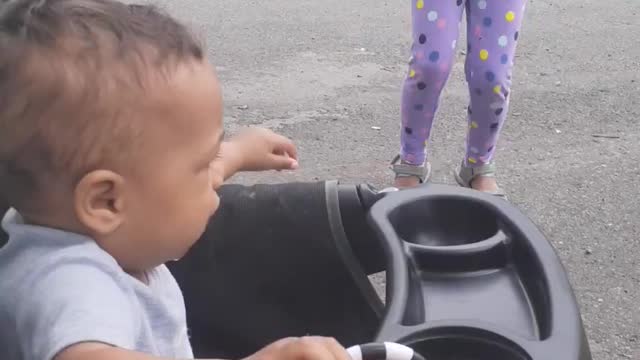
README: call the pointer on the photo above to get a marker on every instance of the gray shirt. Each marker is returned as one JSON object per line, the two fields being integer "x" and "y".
{"x": 58, "y": 289}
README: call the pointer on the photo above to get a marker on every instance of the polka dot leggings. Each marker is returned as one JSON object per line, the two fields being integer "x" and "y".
{"x": 492, "y": 33}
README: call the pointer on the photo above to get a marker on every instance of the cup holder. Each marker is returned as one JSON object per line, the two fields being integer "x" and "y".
{"x": 471, "y": 278}
{"x": 441, "y": 222}
{"x": 452, "y": 346}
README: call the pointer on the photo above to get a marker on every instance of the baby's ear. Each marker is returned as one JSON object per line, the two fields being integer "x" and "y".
{"x": 99, "y": 201}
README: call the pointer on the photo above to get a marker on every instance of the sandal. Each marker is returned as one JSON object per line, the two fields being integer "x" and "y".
{"x": 465, "y": 176}
{"x": 401, "y": 169}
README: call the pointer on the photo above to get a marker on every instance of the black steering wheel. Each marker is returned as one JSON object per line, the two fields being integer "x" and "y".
{"x": 383, "y": 351}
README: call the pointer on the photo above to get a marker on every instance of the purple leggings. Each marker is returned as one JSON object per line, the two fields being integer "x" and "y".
{"x": 492, "y": 34}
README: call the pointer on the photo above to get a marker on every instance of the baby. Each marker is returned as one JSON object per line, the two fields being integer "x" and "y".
{"x": 111, "y": 151}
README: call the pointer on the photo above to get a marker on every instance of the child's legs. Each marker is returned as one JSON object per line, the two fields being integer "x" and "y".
{"x": 493, "y": 27}
{"x": 435, "y": 31}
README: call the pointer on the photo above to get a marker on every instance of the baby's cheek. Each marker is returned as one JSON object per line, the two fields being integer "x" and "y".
{"x": 210, "y": 195}
{"x": 216, "y": 178}
{"x": 215, "y": 203}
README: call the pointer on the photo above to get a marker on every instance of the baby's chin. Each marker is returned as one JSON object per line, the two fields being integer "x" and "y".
{"x": 186, "y": 249}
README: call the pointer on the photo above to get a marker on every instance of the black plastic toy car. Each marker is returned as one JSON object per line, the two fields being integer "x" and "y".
{"x": 468, "y": 276}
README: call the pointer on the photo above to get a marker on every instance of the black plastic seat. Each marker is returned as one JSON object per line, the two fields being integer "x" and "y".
{"x": 276, "y": 262}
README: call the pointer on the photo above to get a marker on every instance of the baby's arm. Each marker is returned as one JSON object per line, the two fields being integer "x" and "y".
{"x": 307, "y": 348}
{"x": 98, "y": 351}
{"x": 256, "y": 149}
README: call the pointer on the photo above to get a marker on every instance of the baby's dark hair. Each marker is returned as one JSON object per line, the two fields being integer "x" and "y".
{"x": 69, "y": 72}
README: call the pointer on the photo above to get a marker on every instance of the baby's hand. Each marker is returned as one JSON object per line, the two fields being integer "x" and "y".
{"x": 306, "y": 348}
{"x": 258, "y": 149}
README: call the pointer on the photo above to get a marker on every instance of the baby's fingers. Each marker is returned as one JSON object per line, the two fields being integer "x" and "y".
{"x": 285, "y": 146}
{"x": 282, "y": 162}
{"x": 312, "y": 348}
{"x": 338, "y": 351}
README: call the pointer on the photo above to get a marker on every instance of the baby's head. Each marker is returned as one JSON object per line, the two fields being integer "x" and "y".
{"x": 110, "y": 116}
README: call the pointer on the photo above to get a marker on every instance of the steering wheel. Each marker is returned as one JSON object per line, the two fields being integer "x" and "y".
{"x": 383, "y": 351}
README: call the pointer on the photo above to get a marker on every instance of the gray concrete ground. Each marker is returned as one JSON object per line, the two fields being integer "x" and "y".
{"x": 326, "y": 72}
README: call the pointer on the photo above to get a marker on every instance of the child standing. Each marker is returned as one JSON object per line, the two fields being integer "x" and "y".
{"x": 111, "y": 153}
{"x": 492, "y": 33}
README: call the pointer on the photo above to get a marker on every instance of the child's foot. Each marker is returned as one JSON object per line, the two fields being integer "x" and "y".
{"x": 485, "y": 184}
{"x": 404, "y": 182}
{"x": 481, "y": 178}
{"x": 408, "y": 175}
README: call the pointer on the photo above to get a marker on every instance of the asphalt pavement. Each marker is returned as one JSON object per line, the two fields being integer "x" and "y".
{"x": 328, "y": 74}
